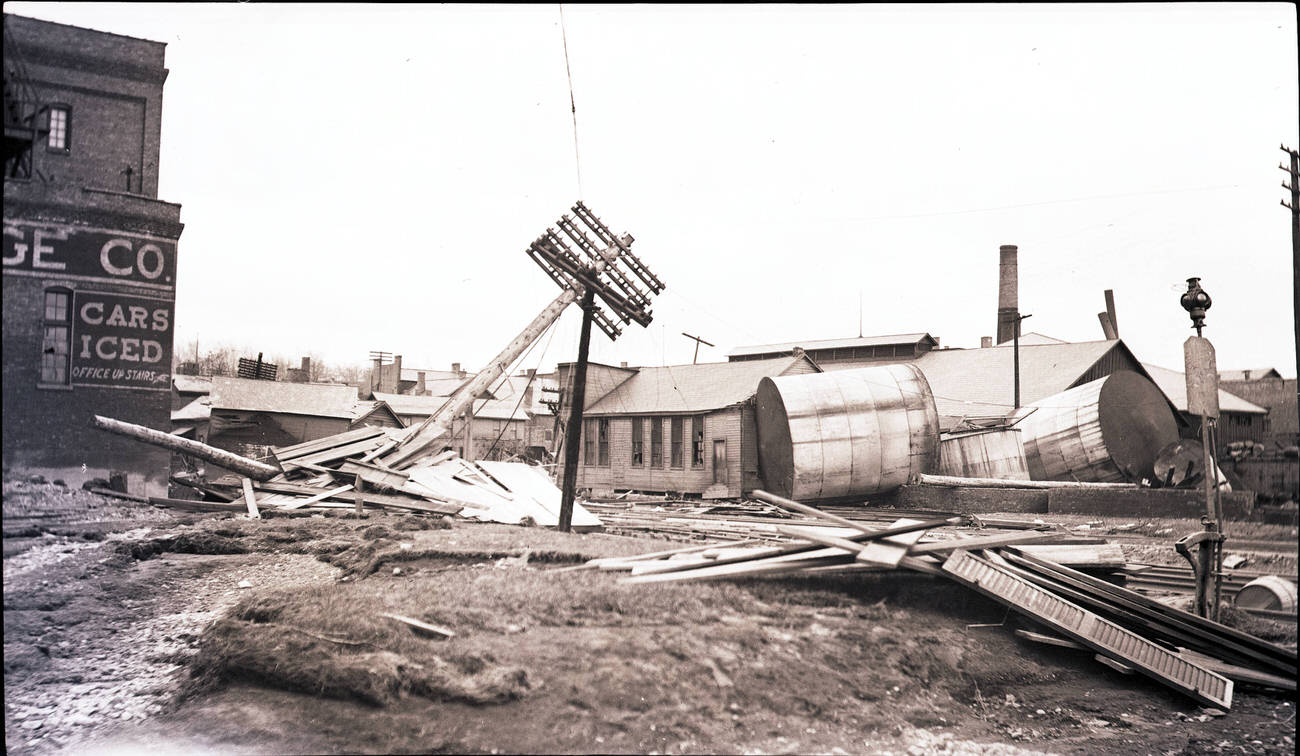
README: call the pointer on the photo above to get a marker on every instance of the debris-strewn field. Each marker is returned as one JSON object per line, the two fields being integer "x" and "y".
{"x": 127, "y": 627}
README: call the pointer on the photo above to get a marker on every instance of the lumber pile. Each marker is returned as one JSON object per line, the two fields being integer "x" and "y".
{"x": 346, "y": 472}
{"x": 1123, "y": 629}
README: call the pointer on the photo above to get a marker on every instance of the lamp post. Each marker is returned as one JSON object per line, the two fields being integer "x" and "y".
{"x": 1203, "y": 400}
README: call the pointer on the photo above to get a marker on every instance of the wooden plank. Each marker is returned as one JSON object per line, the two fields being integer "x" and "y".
{"x": 888, "y": 552}
{"x": 1081, "y": 625}
{"x": 1050, "y": 640}
{"x": 318, "y": 497}
{"x": 781, "y": 501}
{"x": 119, "y": 495}
{"x": 980, "y": 542}
{"x": 420, "y": 625}
{"x": 1118, "y": 666}
{"x": 250, "y": 499}
{"x": 954, "y": 482}
{"x": 376, "y": 478}
{"x": 286, "y": 453}
{"x": 329, "y": 455}
{"x": 1100, "y": 555}
{"x": 745, "y": 569}
{"x": 1237, "y": 673}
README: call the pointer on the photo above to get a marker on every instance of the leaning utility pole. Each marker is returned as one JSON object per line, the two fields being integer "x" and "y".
{"x": 598, "y": 272}
{"x": 698, "y": 341}
{"x": 1294, "y": 187}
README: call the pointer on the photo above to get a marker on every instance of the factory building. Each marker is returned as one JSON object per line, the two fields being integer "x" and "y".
{"x": 89, "y": 253}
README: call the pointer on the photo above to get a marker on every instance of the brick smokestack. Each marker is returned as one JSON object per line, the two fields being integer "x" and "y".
{"x": 1008, "y": 303}
{"x": 420, "y": 385}
{"x": 986, "y": 342}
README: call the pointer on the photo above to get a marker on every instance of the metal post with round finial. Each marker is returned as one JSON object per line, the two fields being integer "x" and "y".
{"x": 1203, "y": 401}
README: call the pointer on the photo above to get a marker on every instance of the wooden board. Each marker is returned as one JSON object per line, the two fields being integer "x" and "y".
{"x": 250, "y": 499}
{"x": 285, "y": 453}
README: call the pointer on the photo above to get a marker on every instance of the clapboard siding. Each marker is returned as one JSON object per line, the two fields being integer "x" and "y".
{"x": 621, "y": 474}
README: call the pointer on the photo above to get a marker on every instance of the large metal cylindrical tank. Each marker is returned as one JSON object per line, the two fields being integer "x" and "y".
{"x": 846, "y": 432}
{"x": 993, "y": 453}
{"x": 1106, "y": 431}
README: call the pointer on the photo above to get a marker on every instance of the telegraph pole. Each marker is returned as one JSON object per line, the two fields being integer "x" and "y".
{"x": 573, "y": 430}
{"x": 1015, "y": 352}
{"x": 698, "y": 341}
{"x": 1293, "y": 171}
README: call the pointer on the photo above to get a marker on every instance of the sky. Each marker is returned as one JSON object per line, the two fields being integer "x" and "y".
{"x": 367, "y": 177}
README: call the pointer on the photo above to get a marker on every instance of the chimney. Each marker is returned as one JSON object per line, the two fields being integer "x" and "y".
{"x": 376, "y": 374}
{"x": 419, "y": 384}
{"x": 306, "y": 368}
{"x": 622, "y": 364}
{"x": 1008, "y": 302}
{"x": 986, "y": 342}
{"x": 455, "y": 368}
{"x": 529, "y": 392}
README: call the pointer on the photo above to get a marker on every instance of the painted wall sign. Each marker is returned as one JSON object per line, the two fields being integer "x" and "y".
{"x": 121, "y": 341}
{"x": 85, "y": 252}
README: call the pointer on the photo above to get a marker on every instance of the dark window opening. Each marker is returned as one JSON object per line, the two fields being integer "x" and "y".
{"x": 638, "y": 442}
{"x": 588, "y": 442}
{"x": 56, "y": 342}
{"x": 697, "y": 441}
{"x": 656, "y": 442}
{"x": 675, "y": 431}
{"x": 602, "y": 441}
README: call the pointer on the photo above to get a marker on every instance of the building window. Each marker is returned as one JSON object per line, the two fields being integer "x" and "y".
{"x": 60, "y": 138}
{"x": 57, "y": 339}
{"x": 638, "y": 441}
{"x": 675, "y": 431}
{"x": 602, "y": 441}
{"x": 656, "y": 442}
{"x": 697, "y": 441}
{"x": 589, "y": 442}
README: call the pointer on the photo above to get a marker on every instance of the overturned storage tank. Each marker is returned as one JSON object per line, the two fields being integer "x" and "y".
{"x": 990, "y": 453}
{"x": 846, "y": 432}
{"x": 1106, "y": 431}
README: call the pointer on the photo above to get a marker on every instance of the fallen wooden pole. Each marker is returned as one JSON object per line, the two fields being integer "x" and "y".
{"x": 955, "y": 481}
{"x": 242, "y": 465}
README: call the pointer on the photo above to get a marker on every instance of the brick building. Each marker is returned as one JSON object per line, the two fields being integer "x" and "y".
{"x": 89, "y": 256}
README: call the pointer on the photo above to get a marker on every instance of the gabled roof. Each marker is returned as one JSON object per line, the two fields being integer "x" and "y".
{"x": 423, "y": 406}
{"x": 1174, "y": 384}
{"x": 314, "y": 399}
{"x": 901, "y": 338}
{"x": 980, "y": 382}
{"x": 364, "y": 409}
{"x": 1033, "y": 337}
{"x": 693, "y": 388}
{"x": 192, "y": 384}
{"x": 1248, "y": 375}
{"x": 197, "y": 410}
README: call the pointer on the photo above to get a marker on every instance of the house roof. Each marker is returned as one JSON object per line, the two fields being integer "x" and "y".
{"x": 316, "y": 399}
{"x": 691, "y": 388}
{"x": 423, "y": 406}
{"x": 980, "y": 382}
{"x": 192, "y": 384}
{"x": 413, "y": 375}
{"x": 901, "y": 338}
{"x": 1033, "y": 337}
{"x": 1248, "y": 375}
{"x": 198, "y": 410}
{"x": 1174, "y": 384}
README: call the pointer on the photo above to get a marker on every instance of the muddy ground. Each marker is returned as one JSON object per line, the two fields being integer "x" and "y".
{"x": 130, "y": 629}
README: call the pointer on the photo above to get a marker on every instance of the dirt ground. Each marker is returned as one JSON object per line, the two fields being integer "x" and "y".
{"x": 130, "y": 629}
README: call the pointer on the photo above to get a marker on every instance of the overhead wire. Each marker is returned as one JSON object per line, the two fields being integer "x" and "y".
{"x": 573, "y": 107}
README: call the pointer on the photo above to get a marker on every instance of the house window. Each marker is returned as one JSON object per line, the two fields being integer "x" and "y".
{"x": 60, "y": 138}
{"x": 638, "y": 441}
{"x": 697, "y": 441}
{"x": 656, "y": 442}
{"x": 675, "y": 431}
{"x": 602, "y": 441}
{"x": 589, "y": 442}
{"x": 55, "y": 351}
